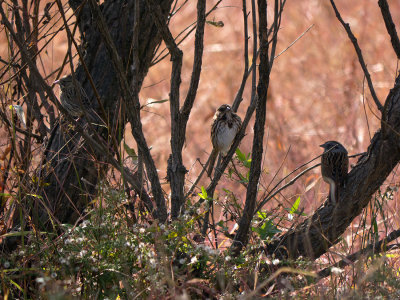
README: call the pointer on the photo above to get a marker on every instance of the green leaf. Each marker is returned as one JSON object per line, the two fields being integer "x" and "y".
{"x": 266, "y": 230}
{"x": 222, "y": 225}
{"x": 240, "y": 155}
{"x": 149, "y": 102}
{"x": 244, "y": 159}
{"x": 35, "y": 196}
{"x": 244, "y": 179}
{"x": 157, "y": 101}
{"x": 247, "y": 163}
{"x": 261, "y": 215}
{"x": 375, "y": 225}
{"x": 216, "y": 23}
{"x": 203, "y": 194}
{"x": 131, "y": 152}
{"x": 172, "y": 234}
{"x": 295, "y": 206}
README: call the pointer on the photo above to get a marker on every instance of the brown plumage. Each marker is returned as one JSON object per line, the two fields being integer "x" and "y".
{"x": 334, "y": 167}
{"x": 223, "y": 131}
{"x": 74, "y": 99}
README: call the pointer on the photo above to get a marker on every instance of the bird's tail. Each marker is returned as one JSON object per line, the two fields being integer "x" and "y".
{"x": 333, "y": 193}
{"x": 213, "y": 157}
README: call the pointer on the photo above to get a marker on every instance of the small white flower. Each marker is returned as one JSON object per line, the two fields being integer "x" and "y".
{"x": 162, "y": 227}
{"x": 275, "y": 261}
{"x": 142, "y": 230}
{"x": 40, "y": 280}
{"x": 85, "y": 224}
{"x": 336, "y": 271}
{"x": 228, "y": 258}
{"x": 193, "y": 260}
{"x": 128, "y": 244}
{"x": 182, "y": 261}
{"x": 22, "y": 253}
{"x": 6, "y": 264}
{"x": 69, "y": 241}
{"x": 152, "y": 262}
{"x": 63, "y": 260}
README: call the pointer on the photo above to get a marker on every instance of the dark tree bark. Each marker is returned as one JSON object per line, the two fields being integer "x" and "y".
{"x": 67, "y": 194}
{"x": 259, "y": 125}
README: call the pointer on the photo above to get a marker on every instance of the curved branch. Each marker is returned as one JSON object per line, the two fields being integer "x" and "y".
{"x": 316, "y": 234}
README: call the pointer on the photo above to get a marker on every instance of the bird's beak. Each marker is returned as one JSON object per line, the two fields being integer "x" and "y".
{"x": 322, "y": 146}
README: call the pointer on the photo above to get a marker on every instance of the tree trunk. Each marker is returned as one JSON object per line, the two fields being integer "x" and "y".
{"x": 72, "y": 179}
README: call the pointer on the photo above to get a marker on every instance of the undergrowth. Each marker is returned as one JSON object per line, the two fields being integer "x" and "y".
{"x": 110, "y": 254}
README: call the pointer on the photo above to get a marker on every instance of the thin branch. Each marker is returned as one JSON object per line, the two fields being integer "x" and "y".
{"x": 271, "y": 194}
{"x": 371, "y": 249}
{"x": 390, "y": 26}
{"x": 353, "y": 39}
{"x": 176, "y": 170}
{"x": 197, "y": 63}
{"x": 255, "y": 54}
{"x": 239, "y": 95}
{"x": 194, "y": 185}
{"x": 294, "y": 42}
{"x": 264, "y": 72}
{"x": 157, "y": 59}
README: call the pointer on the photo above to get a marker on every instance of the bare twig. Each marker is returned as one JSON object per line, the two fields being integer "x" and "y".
{"x": 239, "y": 95}
{"x": 179, "y": 117}
{"x": 194, "y": 185}
{"x": 371, "y": 249}
{"x": 390, "y": 26}
{"x": 158, "y": 58}
{"x": 353, "y": 39}
{"x": 272, "y": 194}
{"x": 259, "y": 126}
{"x": 295, "y": 41}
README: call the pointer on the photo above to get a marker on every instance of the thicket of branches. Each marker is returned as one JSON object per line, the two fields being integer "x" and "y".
{"x": 55, "y": 164}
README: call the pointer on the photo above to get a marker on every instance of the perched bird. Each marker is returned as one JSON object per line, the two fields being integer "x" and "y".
{"x": 334, "y": 166}
{"x": 74, "y": 99}
{"x": 223, "y": 131}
